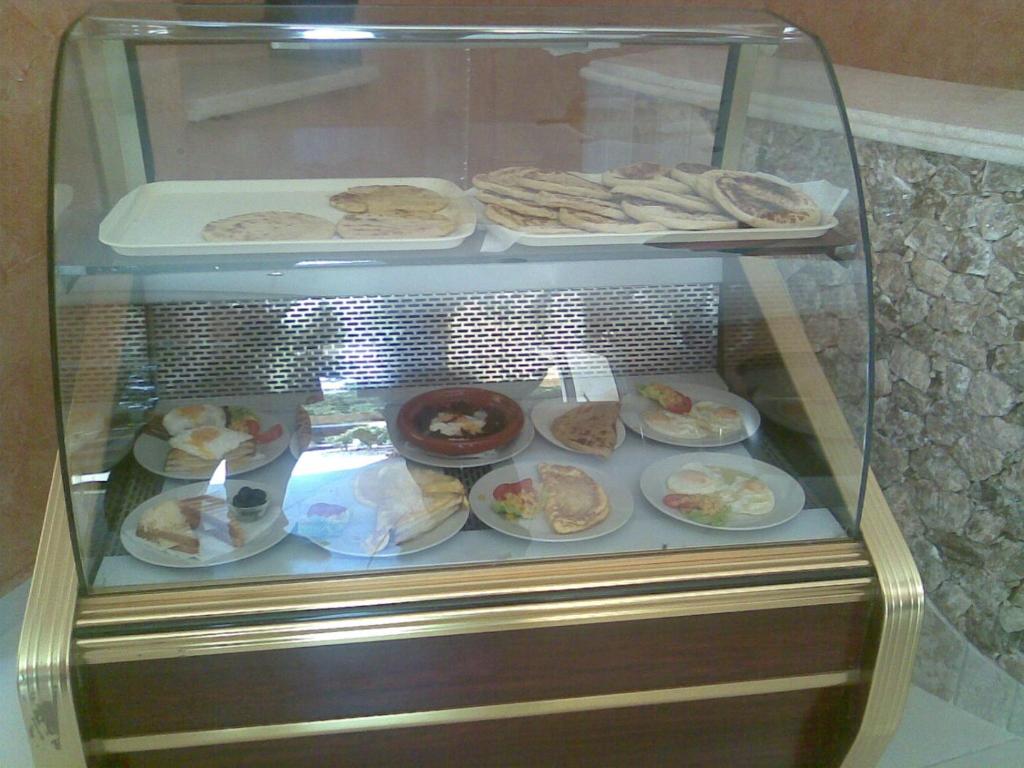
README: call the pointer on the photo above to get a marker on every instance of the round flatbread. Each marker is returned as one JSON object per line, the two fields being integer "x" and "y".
{"x": 268, "y": 226}
{"x": 400, "y": 225}
{"x": 760, "y": 201}
{"x": 388, "y": 198}
{"x": 558, "y": 182}
{"x": 591, "y": 222}
{"x": 501, "y": 185}
{"x": 687, "y": 173}
{"x": 517, "y": 221}
{"x": 600, "y": 207}
{"x": 683, "y": 201}
{"x": 677, "y": 218}
{"x": 518, "y": 206}
{"x": 648, "y": 174}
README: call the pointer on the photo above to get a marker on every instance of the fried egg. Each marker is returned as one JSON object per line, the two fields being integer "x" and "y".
{"x": 209, "y": 442}
{"x": 674, "y": 424}
{"x": 189, "y": 417}
{"x": 718, "y": 418}
{"x": 695, "y": 478}
{"x": 752, "y": 497}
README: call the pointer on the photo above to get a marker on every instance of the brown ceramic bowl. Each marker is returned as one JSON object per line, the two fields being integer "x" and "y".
{"x": 504, "y": 420}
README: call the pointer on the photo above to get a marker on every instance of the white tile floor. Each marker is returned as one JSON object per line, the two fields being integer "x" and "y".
{"x": 934, "y": 733}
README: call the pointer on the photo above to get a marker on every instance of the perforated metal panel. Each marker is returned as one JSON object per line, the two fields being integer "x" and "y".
{"x": 211, "y": 349}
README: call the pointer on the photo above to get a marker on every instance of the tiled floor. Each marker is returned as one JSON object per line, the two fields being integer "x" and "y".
{"x": 934, "y": 733}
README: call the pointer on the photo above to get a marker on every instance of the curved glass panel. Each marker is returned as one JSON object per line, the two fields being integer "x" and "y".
{"x": 382, "y": 265}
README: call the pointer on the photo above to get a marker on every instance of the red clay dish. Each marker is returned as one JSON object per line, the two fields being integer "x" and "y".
{"x": 504, "y": 420}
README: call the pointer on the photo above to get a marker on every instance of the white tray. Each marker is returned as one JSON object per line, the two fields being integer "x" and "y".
{"x": 165, "y": 218}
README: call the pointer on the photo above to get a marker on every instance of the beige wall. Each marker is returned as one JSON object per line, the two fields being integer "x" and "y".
{"x": 975, "y": 41}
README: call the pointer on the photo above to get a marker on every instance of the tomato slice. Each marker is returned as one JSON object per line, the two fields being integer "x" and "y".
{"x": 270, "y": 435}
{"x": 680, "y": 501}
{"x": 509, "y": 489}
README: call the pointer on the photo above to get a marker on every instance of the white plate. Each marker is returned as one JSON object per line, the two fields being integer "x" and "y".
{"x": 634, "y": 406}
{"x": 362, "y": 520}
{"x": 151, "y": 452}
{"x": 789, "y": 496}
{"x": 546, "y": 411}
{"x": 414, "y": 452}
{"x": 537, "y": 528}
{"x": 165, "y": 218}
{"x": 262, "y": 534}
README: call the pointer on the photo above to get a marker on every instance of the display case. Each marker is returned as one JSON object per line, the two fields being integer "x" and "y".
{"x": 439, "y": 382}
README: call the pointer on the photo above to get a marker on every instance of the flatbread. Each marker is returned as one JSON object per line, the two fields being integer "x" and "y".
{"x": 501, "y": 185}
{"x": 683, "y": 201}
{"x": 649, "y": 174}
{"x": 268, "y": 226}
{"x": 592, "y": 222}
{"x": 388, "y": 198}
{"x": 521, "y": 223}
{"x": 688, "y": 173}
{"x": 399, "y": 225}
{"x": 571, "y": 499}
{"x": 676, "y": 218}
{"x": 760, "y": 201}
{"x": 590, "y": 428}
{"x": 558, "y": 182}
{"x": 600, "y": 207}
{"x": 518, "y": 206}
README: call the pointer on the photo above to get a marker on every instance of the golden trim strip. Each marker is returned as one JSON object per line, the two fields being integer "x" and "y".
{"x": 289, "y": 634}
{"x": 808, "y": 561}
{"x": 185, "y": 739}
{"x": 902, "y": 612}
{"x": 44, "y": 650}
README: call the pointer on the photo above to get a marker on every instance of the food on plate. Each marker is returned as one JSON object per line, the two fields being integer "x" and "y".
{"x": 591, "y": 222}
{"x": 498, "y": 183}
{"x": 249, "y": 503}
{"x": 683, "y": 427}
{"x": 214, "y": 518}
{"x": 523, "y": 223}
{"x": 649, "y": 174}
{"x": 720, "y": 419}
{"x": 268, "y": 226}
{"x": 168, "y": 526}
{"x": 666, "y": 397}
{"x": 209, "y": 442}
{"x": 396, "y": 224}
{"x": 323, "y": 521}
{"x": 187, "y": 417}
{"x": 600, "y": 207}
{"x": 759, "y": 201}
{"x": 516, "y": 500}
{"x": 389, "y": 198}
{"x": 571, "y": 499}
{"x": 558, "y": 182}
{"x": 517, "y": 206}
{"x": 460, "y": 421}
{"x": 680, "y": 200}
{"x": 409, "y": 501}
{"x": 589, "y": 428}
{"x": 712, "y": 494}
{"x": 675, "y": 217}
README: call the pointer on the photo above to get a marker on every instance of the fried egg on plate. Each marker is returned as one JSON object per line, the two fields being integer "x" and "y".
{"x": 695, "y": 478}
{"x": 674, "y": 424}
{"x": 718, "y": 418}
{"x": 752, "y": 497}
{"x": 188, "y": 417}
{"x": 209, "y": 442}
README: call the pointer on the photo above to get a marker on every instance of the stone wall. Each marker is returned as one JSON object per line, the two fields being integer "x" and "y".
{"x": 948, "y": 239}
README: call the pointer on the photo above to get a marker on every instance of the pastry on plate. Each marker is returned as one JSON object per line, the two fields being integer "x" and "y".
{"x": 572, "y": 500}
{"x": 688, "y": 173}
{"x": 389, "y": 198}
{"x": 592, "y": 222}
{"x": 648, "y": 174}
{"x": 589, "y": 428}
{"x": 760, "y": 201}
{"x": 559, "y": 182}
{"x": 532, "y": 224}
{"x": 517, "y": 205}
{"x": 168, "y": 526}
{"x": 578, "y": 203}
{"x": 684, "y": 201}
{"x": 268, "y": 226}
{"x": 394, "y": 225}
{"x": 674, "y": 217}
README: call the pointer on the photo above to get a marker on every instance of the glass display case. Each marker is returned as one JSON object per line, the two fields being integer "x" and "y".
{"x": 413, "y": 342}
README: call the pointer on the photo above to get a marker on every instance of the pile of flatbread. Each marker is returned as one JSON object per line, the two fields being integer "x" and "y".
{"x": 372, "y": 212}
{"x": 641, "y": 197}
